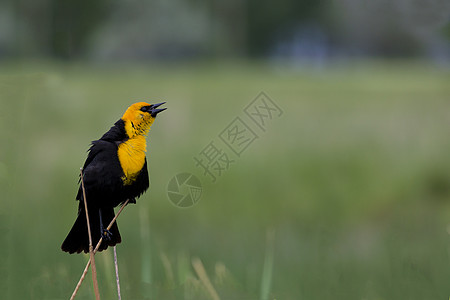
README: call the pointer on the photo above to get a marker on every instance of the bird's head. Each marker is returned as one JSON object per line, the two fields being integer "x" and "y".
{"x": 139, "y": 117}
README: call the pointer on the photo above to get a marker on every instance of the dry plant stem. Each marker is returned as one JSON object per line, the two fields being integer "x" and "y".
{"x": 201, "y": 273}
{"x": 91, "y": 250}
{"x": 95, "y": 251}
{"x": 117, "y": 273}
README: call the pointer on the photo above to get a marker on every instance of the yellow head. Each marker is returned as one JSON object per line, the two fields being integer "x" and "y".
{"x": 139, "y": 117}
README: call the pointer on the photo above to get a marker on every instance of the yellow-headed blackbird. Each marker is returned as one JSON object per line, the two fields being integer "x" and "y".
{"x": 115, "y": 170}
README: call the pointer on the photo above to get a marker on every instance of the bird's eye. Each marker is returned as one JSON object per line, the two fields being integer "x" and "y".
{"x": 145, "y": 108}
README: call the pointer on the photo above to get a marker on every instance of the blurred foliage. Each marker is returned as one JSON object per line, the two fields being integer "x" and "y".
{"x": 71, "y": 22}
{"x": 266, "y": 20}
{"x": 139, "y": 30}
{"x": 352, "y": 183}
{"x": 53, "y": 28}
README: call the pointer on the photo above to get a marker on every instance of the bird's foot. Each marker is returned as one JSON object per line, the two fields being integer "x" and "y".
{"x": 106, "y": 234}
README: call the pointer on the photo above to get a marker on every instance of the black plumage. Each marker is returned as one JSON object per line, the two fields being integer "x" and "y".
{"x": 104, "y": 188}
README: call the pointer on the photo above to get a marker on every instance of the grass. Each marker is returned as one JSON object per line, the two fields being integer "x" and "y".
{"x": 353, "y": 178}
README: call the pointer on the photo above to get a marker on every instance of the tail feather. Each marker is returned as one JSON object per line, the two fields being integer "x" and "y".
{"x": 78, "y": 240}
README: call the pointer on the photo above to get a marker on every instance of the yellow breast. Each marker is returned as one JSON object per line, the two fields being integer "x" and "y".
{"x": 132, "y": 158}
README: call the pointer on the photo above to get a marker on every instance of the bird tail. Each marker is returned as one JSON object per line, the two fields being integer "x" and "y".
{"x": 78, "y": 239}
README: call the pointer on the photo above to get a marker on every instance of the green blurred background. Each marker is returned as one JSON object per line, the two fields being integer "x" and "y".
{"x": 344, "y": 196}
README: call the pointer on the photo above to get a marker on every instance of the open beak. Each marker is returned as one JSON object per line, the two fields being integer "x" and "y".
{"x": 154, "y": 110}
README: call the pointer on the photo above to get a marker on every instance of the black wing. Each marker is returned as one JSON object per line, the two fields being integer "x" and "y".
{"x": 102, "y": 174}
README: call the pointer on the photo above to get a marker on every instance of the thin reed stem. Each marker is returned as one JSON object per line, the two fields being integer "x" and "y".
{"x": 91, "y": 249}
{"x": 266, "y": 280}
{"x": 203, "y": 276}
{"x": 95, "y": 251}
{"x": 117, "y": 273}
